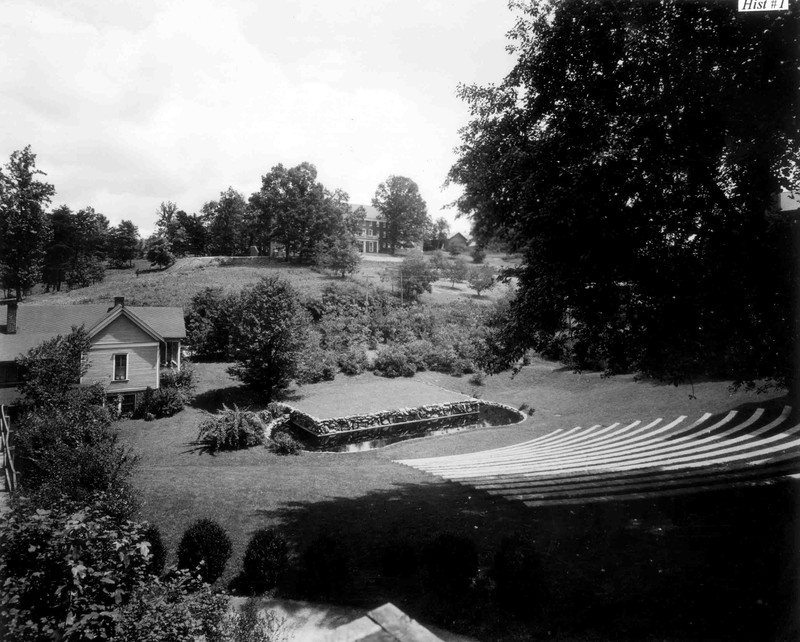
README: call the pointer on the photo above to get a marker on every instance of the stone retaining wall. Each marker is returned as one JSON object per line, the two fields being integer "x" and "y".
{"x": 330, "y": 434}
{"x": 318, "y": 426}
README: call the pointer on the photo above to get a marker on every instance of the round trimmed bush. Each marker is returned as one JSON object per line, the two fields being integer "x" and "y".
{"x": 205, "y": 547}
{"x": 265, "y": 561}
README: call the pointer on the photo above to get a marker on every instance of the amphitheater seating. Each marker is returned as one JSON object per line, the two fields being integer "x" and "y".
{"x": 633, "y": 461}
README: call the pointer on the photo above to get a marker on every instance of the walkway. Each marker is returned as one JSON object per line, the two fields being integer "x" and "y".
{"x": 635, "y": 461}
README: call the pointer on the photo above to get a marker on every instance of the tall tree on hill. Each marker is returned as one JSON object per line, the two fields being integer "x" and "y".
{"x": 634, "y": 154}
{"x": 293, "y": 208}
{"x": 123, "y": 244}
{"x": 226, "y": 223}
{"x": 399, "y": 202}
{"x": 24, "y": 229}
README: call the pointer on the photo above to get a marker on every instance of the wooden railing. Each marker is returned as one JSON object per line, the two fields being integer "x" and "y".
{"x": 7, "y": 455}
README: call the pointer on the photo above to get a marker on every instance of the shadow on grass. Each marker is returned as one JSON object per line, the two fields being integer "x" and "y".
{"x": 718, "y": 565}
{"x": 241, "y": 396}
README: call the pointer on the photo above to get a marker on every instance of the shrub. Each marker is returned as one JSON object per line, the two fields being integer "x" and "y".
{"x": 182, "y": 378}
{"x": 316, "y": 365}
{"x": 517, "y": 575}
{"x": 160, "y": 403}
{"x": 419, "y": 353}
{"x": 392, "y": 361}
{"x": 66, "y": 569}
{"x": 478, "y": 254}
{"x": 451, "y": 562}
{"x": 325, "y": 567}
{"x": 69, "y": 452}
{"x": 205, "y": 547}
{"x": 282, "y": 443}
{"x": 173, "y": 609}
{"x": 250, "y": 624}
{"x": 231, "y": 429}
{"x": 354, "y": 361}
{"x": 265, "y": 562}
{"x": 158, "y": 552}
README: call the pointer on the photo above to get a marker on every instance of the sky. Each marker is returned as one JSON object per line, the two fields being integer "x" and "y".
{"x": 128, "y": 104}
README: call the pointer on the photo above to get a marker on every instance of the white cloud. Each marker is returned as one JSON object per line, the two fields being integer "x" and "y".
{"x": 183, "y": 99}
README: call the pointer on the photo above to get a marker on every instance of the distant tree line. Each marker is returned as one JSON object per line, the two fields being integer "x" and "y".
{"x": 292, "y": 211}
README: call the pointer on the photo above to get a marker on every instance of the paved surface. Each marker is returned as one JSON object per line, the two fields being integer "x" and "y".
{"x": 309, "y": 621}
{"x": 635, "y": 461}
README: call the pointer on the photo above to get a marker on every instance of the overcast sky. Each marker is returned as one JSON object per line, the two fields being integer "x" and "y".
{"x": 128, "y": 104}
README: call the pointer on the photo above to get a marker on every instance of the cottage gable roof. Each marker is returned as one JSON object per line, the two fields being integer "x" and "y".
{"x": 38, "y": 323}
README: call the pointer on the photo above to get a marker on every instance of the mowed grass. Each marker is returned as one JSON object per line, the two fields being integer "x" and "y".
{"x": 719, "y": 565}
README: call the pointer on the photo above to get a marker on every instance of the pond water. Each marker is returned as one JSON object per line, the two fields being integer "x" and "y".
{"x": 380, "y": 436}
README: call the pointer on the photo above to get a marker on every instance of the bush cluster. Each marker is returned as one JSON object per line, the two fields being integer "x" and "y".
{"x": 282, "y": 443}
{"x": 66, "y": 568}
{"x": 174, "y": 392}
{"x": 232, "y": 429}
{"x": 346, "y": 319}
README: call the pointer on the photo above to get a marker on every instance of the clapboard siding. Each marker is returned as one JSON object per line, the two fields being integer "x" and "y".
{"x": 142, "y": 367}
{"x": 122, "y": 330}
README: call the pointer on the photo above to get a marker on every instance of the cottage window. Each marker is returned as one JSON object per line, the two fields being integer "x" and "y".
{"x": 120, "y": 367}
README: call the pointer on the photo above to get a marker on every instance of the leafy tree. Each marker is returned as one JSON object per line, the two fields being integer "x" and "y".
{"x": 480, "y": 278}
{"x": 414, "y": 276}
{"x": 24, "y": 232}
{"x": 456, "y": 270}
{"x": 399, "y": 202}
{"x": 628, "y": 157}
{"x": 226, "y": 223}
{"x": 294, "y": 209}
{"x": 208, "y": 328}
{"x": 59, "y": 252}
{"x": 438, "y": 232}
{"x": 159, "y": 252}
{"x": 167, "y": 219}
{"x": 51, "y": 371}
{"x": 123, "y": 244}
{"x": 191, "y": 235}
{"x": 339, "y": 255}
{"x": 268, "y": 333}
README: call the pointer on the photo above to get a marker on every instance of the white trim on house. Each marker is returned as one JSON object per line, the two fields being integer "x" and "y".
{"x": 106, "y": 344}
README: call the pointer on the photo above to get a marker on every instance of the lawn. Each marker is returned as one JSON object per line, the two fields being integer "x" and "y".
{"x": 712, "y": 566}
{"x": 176, "y": 285}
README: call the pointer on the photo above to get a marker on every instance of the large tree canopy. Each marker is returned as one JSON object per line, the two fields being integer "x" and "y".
{"x": 404, "y": 210}
{"x": 634, "y": 154}
{"x": 24, "y": 232}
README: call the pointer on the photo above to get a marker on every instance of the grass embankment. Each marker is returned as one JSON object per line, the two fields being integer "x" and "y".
{"x": 176, "y": 285}
{"x": 712, "y": 566}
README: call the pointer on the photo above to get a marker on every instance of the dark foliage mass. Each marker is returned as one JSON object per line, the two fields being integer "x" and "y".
{"x": 634, "y": 154}
{"x": 265, "y": 562}
{"x": 204, "y": 549}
